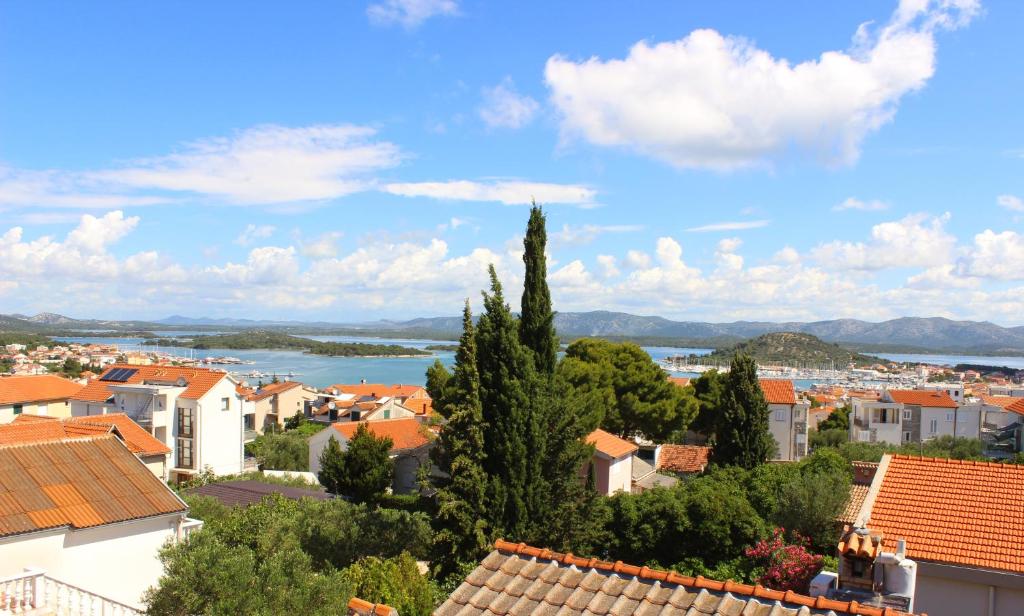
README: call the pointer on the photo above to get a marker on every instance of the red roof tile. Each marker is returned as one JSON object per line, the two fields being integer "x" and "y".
{"x": 81, "y": 490}
{"x": 405, "y": 433}
{"x": 609, "y": 444}
{"x": 681, "y": 381}
{"x": 358, "y": 607}
{"x": 953, "y": 511}
{"x": 269, "y": 390}
{"x": 40, "y": 428}
{"x": 378, "y": 390}
{"x": 1017, "y": 407}
{"x": 778, "y": 391}
{"x": 198, "y": 381}
{"x": 36, "y": 388}
{"x": 917, "y": 397}
{"x": 1001, "y": 401}
{"x": 683, "y": 458}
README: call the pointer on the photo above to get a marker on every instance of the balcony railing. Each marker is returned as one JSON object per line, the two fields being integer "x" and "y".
{"x": 34, "y": 592}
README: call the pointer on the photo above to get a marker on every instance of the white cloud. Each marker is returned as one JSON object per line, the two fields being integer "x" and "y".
{"x": 636, "y": 259}
{"x": 509, "y": 192}
{"x": 253, "y": 232}
{"x": 503, "y": 107}
{"x": 916, "y": 240}
{"x": 1011, "y": 202}
{"x": 714, "y": 101}
{"x": 409, "y": 13}
{"x": 730, "y": 226}
{"x": 995, "y": 255}
{"x": 323, "y": 247}
{"x": 852, "y": 203}
{"x": 609, "y": 267}
{"x": 28, "y": 188}
{"x": 585, "y": 234}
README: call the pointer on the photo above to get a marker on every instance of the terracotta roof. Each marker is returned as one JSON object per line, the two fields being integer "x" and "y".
{"x": 609, "y": 444}
{"x": 268, "y": 390}
{"x": 516, "y": 579}
{"x": 681, "y": 381}
{"x": 378, "y": 390}
{"x": 77, "y": 483}
{"x": 405, "y": 433}
{"x": 778, "y": 391}
{"x": 683, "y": 458}
{"x": 1017, "y": 407}
{"x": 1001, "y": 401}
{"x": 952, "y": 511}
{"x": 420, "y": 406}
{"x": 858, "y": 492}
{"x": 23, "y": 432}
{"x": 135, "y": 437}
{"x": 939, "y": 399}
{"x": 36, "y": 388}
{"x": 358, "y": 607}
{"x": 854, "y": 543}
{"x": 199, "y": 381}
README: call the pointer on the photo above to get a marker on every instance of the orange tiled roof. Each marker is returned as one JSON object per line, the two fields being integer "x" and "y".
{"x": 863, "y": 546}
{"x": 683, "y": 458}
{"x": 36, "y": 388}
{"x": 953, "y": 511}
{"x": 850, "y": 513}
{"x": 378, "y": 390}
{"x": 1017, "y": 407}
{"x": 681, "y": 381}
{"x": 138, "y": 440}
{"x": 609, "y": 444}
{"x": 405, "y": 433}
{"x": 574, "y": 586}
{"x": 200, "y": 381}
{"x": 358, "y": 607}
{"x": 917, "y": 397}
{"x": 255, "y": 395}
{"x": 77, "y": 483}
{"x": 778, "y": 391}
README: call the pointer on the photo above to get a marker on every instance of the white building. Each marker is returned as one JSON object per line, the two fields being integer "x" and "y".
{"x": 411, "y": 441}
{"x": 73, "y": 525}
{"x": 612, "y": 463}
{"x": 787, "y": 418}
{"x": 913, "y": 416}
{"x": 953, "y": 390}
{"x": 198, "y": 413}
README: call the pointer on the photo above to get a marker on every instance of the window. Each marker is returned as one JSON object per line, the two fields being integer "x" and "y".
{"x": 906, "y": 437}
{"x": 185, "y": 453}
{"x": 387, "y": 413}
{"x": 907, "y": 415}
{"x": 857, "y": 568}
{"x": 250, "y": 422}
{"x": 225, "y": 404}
{"x": 17, "y": 409}
{"x": 780, "y": 415}
{"x": 934, "y": 426}
{"x": 184, "y": 422}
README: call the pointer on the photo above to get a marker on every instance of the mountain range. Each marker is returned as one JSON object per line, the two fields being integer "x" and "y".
{"x": 935, "y": 334}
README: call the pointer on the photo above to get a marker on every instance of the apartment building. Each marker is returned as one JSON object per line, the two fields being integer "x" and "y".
{"x": 273, "y": 403}
{"x": 913, "y": 416}
{"x": 197, "y": 412}
{"x": 787, "y": 418}
{"x": 43, "y": 394}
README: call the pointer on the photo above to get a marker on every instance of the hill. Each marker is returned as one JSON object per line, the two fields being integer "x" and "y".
{"x": 264, "y": 339}
{"x": 793, "y": 348}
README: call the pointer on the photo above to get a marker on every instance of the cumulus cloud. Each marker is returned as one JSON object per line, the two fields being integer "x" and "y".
{"x": 995, "y": 255}
{"x": 738, "y": 225}
{"x": 508, "y": 192}
{"x": 608, "y": 264}
{"x": 586, "y": 234}
{"x": 852, "y": 203}
{"x": 917, "y": 240}
{"x": 323, "y": 247}
{"x": 715, "y": 101}
{"x": 252, "y": 232}
{"x": 409, "y": 14}
{"x": 1011, "y": 202}
{"x": 503, "y": 107}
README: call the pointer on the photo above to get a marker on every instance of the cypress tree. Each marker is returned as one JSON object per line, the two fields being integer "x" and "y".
{"x": 744, "y": 438}
{"x": 460, "y": 526}
{"x": 537, "y": 321}
{"x": 506, "y": 371}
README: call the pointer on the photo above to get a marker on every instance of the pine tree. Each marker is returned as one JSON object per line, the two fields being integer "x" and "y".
{"x": 744, "y": 438}
{"x": 460, "y": 525}
{"x": 332, "y": 466}
{"x": 367, "y": 469}
{"x": 506, "y": 370}
{"x": 537, "y": 321}
{"x": 437, "y": 384}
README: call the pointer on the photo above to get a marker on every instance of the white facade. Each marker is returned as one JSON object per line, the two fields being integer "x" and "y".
{"x": 953, "y": 390}
{"x": 788, "y": 425}
{"x": 117, "y": 561}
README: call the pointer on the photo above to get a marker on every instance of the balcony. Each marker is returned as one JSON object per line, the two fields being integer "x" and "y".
{"x": 33, "y": 592}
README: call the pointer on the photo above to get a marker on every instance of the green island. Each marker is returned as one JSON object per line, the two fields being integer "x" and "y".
{"x": 792, "y": 348}
{"x": 442, "y": 347}
{"x": 264, "y": 339}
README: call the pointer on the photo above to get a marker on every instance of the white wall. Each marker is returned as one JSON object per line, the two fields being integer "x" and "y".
{"x": 317, "y": 442}
{"x": 219, "y": 445}
{"x": 966, "y": 422}
{"x": 937, "y": 596}
{"x": 620, "y": 474}
{"x": 781, "y": 429}
{"x": 117, "y": 561}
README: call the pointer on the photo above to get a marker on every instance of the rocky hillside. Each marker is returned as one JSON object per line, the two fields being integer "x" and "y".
{"x": 793, "y": 348}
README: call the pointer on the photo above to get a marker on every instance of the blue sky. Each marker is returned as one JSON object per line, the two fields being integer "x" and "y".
{"x": 361, "y": 160}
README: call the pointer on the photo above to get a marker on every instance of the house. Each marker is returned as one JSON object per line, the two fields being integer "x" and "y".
{"x": 35, "y": 428}
{"x": 612, "y": 462}
{"x": 44, "y": 394}
{"x": 411, "y": 441}
{"x": 929, "y": 414}
{"x": 274, "y": 403}
{"x": 787, "y": 418}
{"x": 517, "y": 579}
{"x": 963, "y": 523}
{"x": 249, "y": 492}
{"x": 82, "y": 520}
{"x": 197, "y": 412}
{"x": 683, "y": 459}
{"x": 369, "y": 402}
{"x": 953, "y": 390}
{"x": 412, "y": 397}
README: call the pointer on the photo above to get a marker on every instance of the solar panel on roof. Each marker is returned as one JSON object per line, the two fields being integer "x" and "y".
{"x": 119, "y": 375}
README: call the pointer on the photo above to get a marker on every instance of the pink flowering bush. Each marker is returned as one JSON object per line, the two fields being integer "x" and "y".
{"x": 785, "y": 565}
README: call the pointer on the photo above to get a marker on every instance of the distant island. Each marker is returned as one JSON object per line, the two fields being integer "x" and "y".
{"x": 264, "y": 339}
{"x": 792, "y": 348}
{"x": 442, "y": 347}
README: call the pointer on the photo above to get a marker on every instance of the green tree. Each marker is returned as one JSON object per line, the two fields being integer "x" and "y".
{"x": 709, "y": 389}
{"x": 810, "y": 504}
{"x": 460, "y": 524}
{"x": 437, "y": 382}
{"x": 395, "y": 581}
{"x": 295, "y": 421}
{"x": 72, "y": 367}
{"x": 839, "y": 419}
{"x": 367, "y": 468}
{"x": 282, "y": 452}
{"x": 744, "y": 438}
{"x": 623, "y": 380}
{"x": 536, "y": 322}
{"x": 332, "y": 466}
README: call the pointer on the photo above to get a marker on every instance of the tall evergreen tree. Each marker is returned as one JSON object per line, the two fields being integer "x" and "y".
{"x": 367, "y": 469}
{"x": 460, "y": 526}
{"x": 506, "y": 372}
{"x": 743, "y": 437}
{"x": 537, "y": 320}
